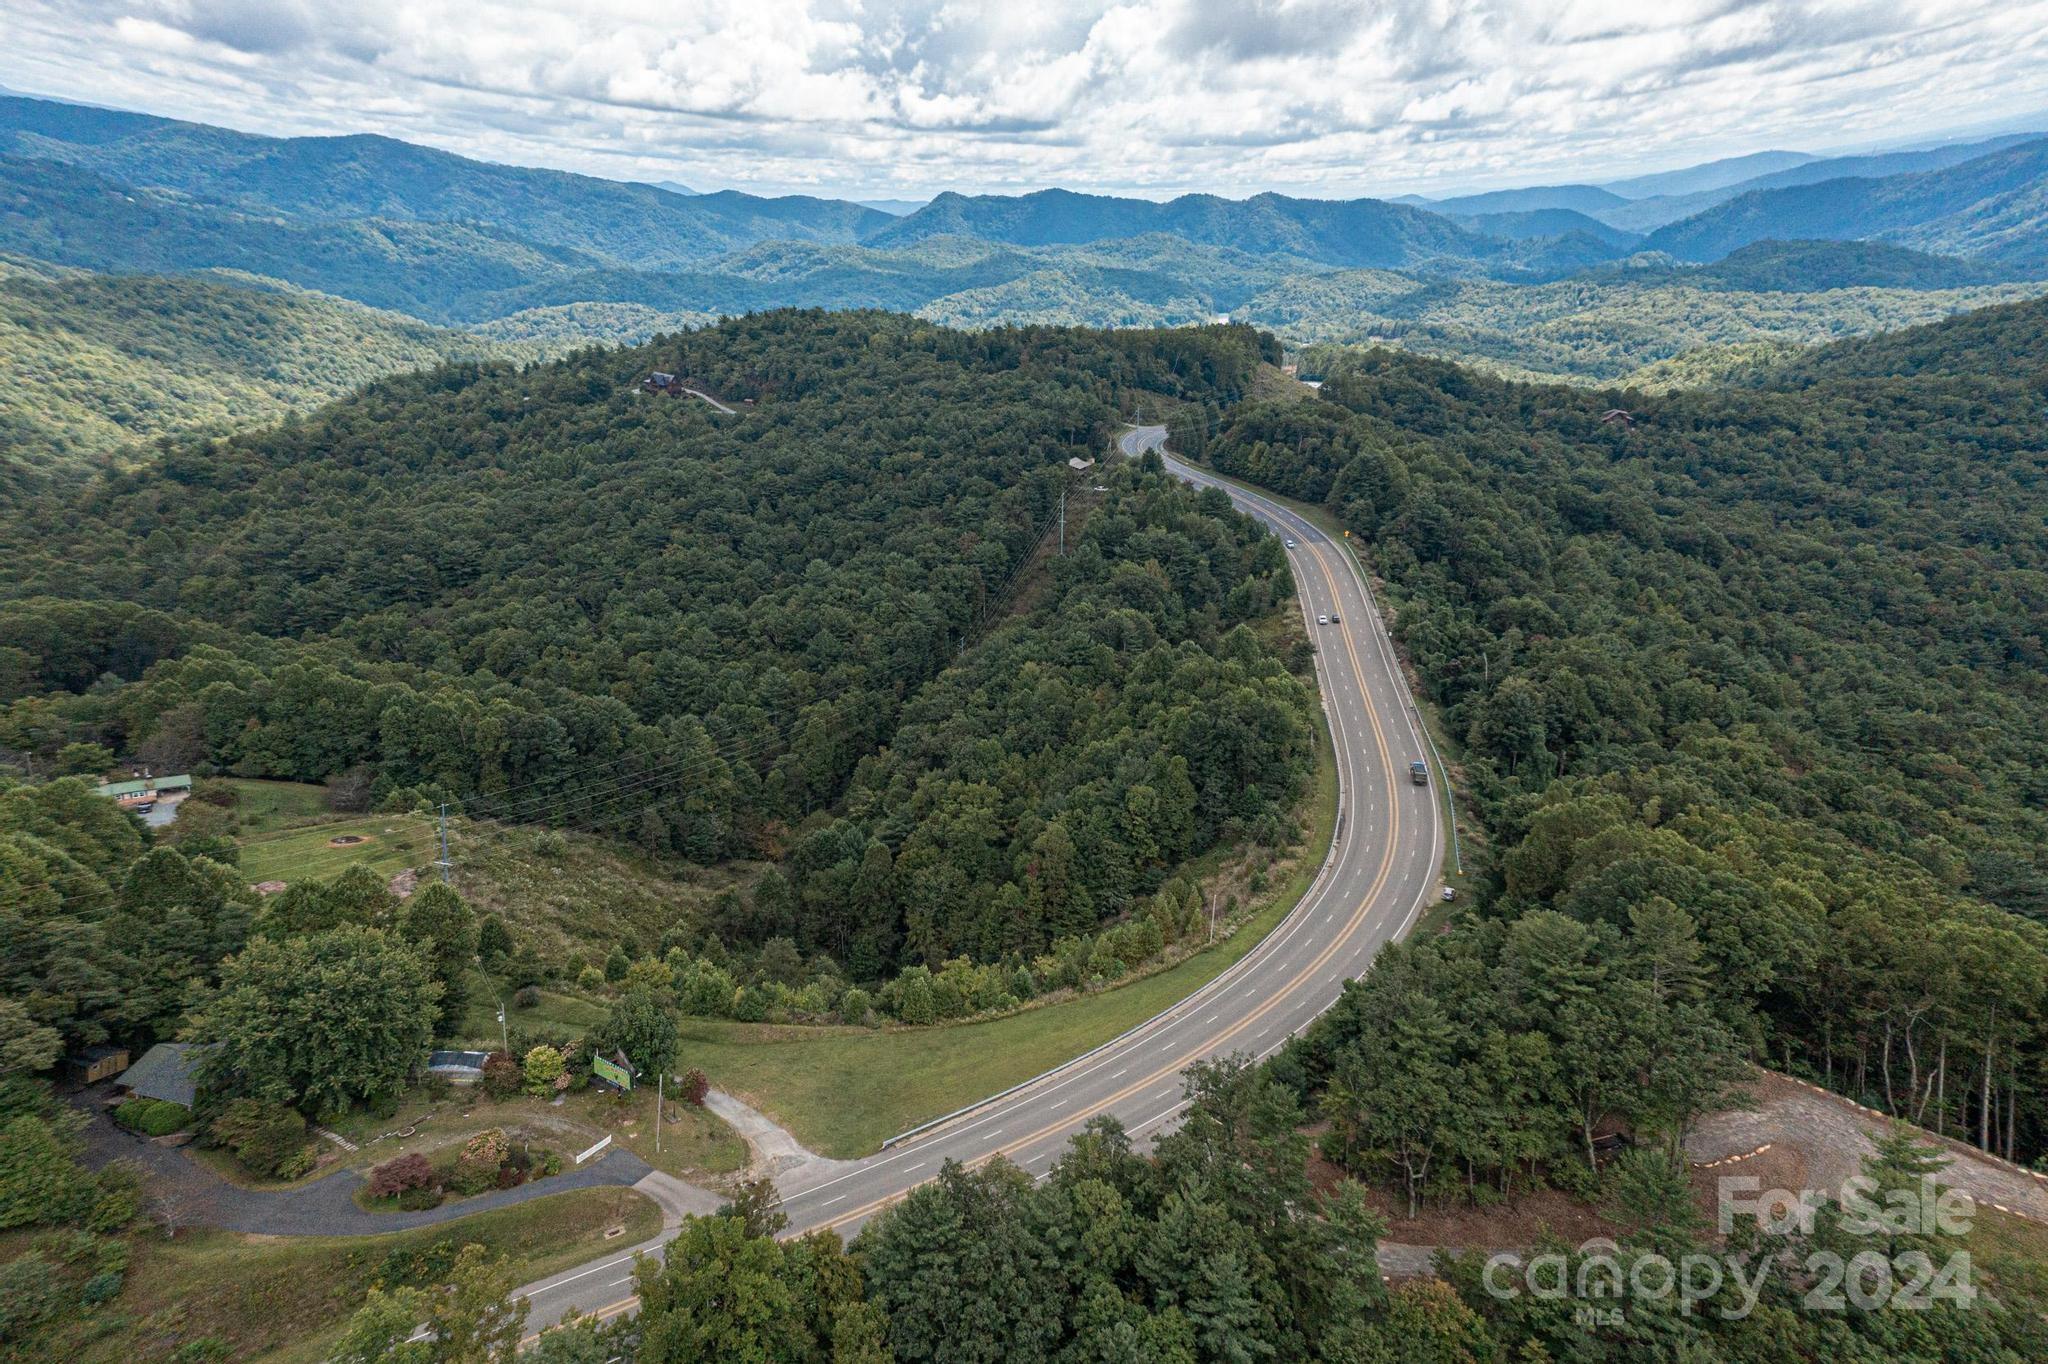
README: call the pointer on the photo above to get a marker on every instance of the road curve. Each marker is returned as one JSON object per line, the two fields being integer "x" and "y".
{"x": 1381, "y": 871}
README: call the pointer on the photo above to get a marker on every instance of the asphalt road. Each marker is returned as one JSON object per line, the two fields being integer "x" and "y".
{"x": 1382, "y": 870}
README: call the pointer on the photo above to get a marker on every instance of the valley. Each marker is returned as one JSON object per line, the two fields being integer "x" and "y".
{"x": 935, "y": 768}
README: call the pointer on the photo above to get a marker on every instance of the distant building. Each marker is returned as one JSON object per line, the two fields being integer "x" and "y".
{"x": 661, "y": 381}
{"x": 1077, "y": 464}
{"x": 142, "y": 794}
{"x": 168, "y": 1071}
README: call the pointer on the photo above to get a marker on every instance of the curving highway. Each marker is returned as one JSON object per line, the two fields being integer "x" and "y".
{"x": 1381, "y": 871}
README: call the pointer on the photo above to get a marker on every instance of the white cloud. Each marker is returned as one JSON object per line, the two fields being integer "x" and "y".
{"x": 1335, "y": 97}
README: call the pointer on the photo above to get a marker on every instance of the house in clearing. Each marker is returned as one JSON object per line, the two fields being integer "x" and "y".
{"x": 142, "y": 794}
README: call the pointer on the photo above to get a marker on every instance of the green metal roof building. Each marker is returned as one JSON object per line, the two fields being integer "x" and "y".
{"x": 160, "y": 785}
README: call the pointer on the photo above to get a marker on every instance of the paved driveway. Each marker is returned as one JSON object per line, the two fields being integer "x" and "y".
{"x": 325, "y": 1207}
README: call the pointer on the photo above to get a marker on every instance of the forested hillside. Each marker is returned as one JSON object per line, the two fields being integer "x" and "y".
{"x": 1540, "y": 283}
{"x": 546, "y": 595}
{"x": 1612, "y": 325}
{"x": 328, "y": 179}
{"x": 1750, "y": 682}
{"x": 97, "y": 362}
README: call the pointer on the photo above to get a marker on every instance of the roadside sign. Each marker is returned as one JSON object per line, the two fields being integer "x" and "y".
{"x": 612, "y": 1071}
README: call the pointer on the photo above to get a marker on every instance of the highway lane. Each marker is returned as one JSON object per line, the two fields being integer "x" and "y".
{"x": 1382, "y": 869}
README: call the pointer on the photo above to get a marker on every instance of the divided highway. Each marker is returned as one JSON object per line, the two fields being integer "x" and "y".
{"x": 1383, "y": 868}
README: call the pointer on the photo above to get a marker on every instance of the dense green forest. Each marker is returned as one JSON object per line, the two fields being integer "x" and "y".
{"x": 99, "y": 362}
{"x": 1220, "y": 1247}
{"x": 1748, "y": 683}
{"x": 1649, "y": 324}
{"x": 548, "y": 596}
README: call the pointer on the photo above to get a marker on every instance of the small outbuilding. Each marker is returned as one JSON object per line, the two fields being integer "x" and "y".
{"x": 167, "y": 1071}
{"x": 94, "y": 1064}
{"x": 458, "y": 1067}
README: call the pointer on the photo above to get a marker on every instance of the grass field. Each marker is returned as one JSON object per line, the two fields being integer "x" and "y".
{"x": 391, "y": 844}
{"x": 268, "y": 805}
{"x": 843, "y": 1091}
{"x": 479, "y": 1025}
{"x": 284, "y": 1299}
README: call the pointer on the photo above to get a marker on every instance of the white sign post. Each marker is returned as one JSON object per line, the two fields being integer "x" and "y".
{"x": 582, "y": 1156}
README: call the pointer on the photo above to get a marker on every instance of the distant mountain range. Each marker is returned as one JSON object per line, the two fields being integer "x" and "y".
{"x": 1710, "y": 175}
{"x": 1776, "y": 248}
{"x": 1990, "y": 206}
{"x": 455, "y": 240}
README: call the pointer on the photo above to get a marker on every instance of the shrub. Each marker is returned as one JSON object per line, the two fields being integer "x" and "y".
{"x": 526, "y": 997}
{"x": 502, "y": 1076}
{"x": 550, "y": 1163}
{"x": 616, "y": 965}
{"x": 102, "y": 1287}
{"x": 267, "y": 1138}
{"x": 543, "y": 1067}
{"x": 116, "y": 1200}
{"x": 855, "y": 1005}
{"x": 429, "y": 1264}
{"x": 31, "y": 1293}
{"x": 476, "y": 1169}
{"x": 153, "y": 1117}
{"x": 419, "y": 1200}
{"x": 590, "y": 980}
{"x": 493, "y": 940}
{"x": 298, "y": 1162}
{"x": 401, "y": 1175}
{"x": 694, "y": 1087}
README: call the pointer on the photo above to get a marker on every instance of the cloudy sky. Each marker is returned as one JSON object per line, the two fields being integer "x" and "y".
{"x": 1333, "y": 98}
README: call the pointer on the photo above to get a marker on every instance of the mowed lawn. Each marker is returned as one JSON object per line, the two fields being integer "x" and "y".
{"x": 843, "y": 1091}
{"x": 285, "y": 1299}
{"x": 391, "y": 843}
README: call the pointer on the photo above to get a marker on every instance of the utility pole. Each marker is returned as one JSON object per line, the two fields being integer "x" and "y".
{"x": 444, "y": 864}
{"x": 660, "y": 1078}
{"x": 504, "y": 1038}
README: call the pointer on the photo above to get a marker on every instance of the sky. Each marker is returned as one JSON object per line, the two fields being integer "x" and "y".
{"x": 1327, "y": 98}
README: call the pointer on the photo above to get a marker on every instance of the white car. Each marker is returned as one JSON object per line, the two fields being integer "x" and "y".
{"x": 1322, "y": 620}
{"x": 1290, "y": 544}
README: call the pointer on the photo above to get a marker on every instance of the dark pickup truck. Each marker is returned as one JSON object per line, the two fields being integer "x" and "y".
{"x": 1418, "y": 773}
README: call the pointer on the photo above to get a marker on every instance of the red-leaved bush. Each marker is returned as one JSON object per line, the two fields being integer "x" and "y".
{"x": 695, "y": 1086}
{"x": 400, "y": 1175}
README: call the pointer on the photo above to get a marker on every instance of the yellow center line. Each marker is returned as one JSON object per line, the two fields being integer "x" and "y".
{"x": 1174, "y": 1067}
{"x": 1272, "y": 1002}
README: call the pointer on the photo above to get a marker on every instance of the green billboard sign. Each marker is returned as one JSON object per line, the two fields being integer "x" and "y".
{"x": 612, "y": 1071}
